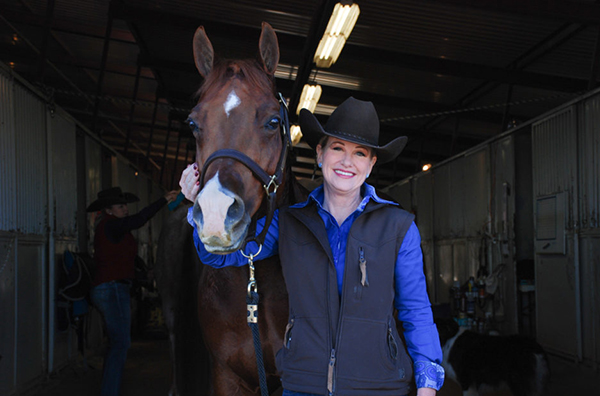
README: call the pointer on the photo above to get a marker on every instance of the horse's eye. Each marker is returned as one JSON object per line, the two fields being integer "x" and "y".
{"x": 273, "y": 123}
{"x": 192, "y": 124}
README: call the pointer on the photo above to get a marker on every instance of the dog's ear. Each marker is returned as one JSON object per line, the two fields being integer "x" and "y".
{"x": 447, "y": 328}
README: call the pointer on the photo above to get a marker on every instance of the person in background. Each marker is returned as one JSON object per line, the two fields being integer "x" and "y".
{"x": 115, "y": 250}
{"x": 349, "y": 258}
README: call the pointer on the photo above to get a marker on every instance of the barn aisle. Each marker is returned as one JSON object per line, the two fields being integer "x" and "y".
{"x": 147, "y": 372}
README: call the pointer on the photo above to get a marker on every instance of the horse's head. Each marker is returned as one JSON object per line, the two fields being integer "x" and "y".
{"x": 237, "y": 110}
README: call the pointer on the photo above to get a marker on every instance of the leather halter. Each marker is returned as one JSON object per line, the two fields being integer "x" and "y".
{"x": 270, "y": 182}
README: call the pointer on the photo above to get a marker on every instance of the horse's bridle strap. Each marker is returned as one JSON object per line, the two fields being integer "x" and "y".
{"x": 259, "y": 172}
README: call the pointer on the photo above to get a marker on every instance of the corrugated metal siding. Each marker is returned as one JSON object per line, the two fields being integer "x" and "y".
{"x": 589, "y": 160}
{"x": 93, "y": 182}
{"x": 554, "y": 163}
{"x": 30, "y": 303}
{"x": 8, "y": 247}
{"x": 32, "y": 191}
{"x": 401, "y": 194}
{"x": 64, "y": 179}
{"x": 503, "y": 181}
{"x": 554, "y": 151}
{"x": 473, "y": 191}
{"x": 590, "y": 309}
{"x": 442, "y": 202}
{"x": 8, "y": 182}
{"x": 93, "y": 161}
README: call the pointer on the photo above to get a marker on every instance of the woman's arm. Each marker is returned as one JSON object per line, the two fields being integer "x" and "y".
{"x": 414, "y": 311}
{"x": 117, "y": 227}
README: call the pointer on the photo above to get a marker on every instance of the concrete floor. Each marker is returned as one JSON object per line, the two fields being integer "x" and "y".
{"x": 148, "y": 373}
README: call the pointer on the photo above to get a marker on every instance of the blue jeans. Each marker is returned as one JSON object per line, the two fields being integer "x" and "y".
{"x": 113, "y": 301}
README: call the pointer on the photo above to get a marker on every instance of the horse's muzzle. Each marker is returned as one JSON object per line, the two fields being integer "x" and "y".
{"x": 221, "y": 235}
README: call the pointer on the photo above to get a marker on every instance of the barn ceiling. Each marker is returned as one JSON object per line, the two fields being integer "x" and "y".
{"x": 449, "y": 74}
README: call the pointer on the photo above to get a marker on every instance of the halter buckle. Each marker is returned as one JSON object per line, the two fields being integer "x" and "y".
{"x": 273, "y": 184}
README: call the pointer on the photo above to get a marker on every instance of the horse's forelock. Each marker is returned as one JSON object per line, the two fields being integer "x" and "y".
{"x": 246, "y": 69}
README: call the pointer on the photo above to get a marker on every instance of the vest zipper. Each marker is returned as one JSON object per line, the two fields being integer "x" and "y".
{"x": 330, "y": 377}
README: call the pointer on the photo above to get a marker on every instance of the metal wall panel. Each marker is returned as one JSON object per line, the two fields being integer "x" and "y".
{"x": 442, "y": 202}
{"x": 502, "y": 249}
{"x": 401, "y": 193}
{"x": 554, "y": 163}
{"x": 590, "y": 308}
{"x": 30, "y": 330}
{"x": 64, "y": 178}
{"x": 443, "y": 255}
{"x": 93, "y": 160}
{"x": 8, "y": 180}
{"x": 32, "y": 177}
{"x": 65, "y": 342}
{"x": 8, "y": 255}
{"x": 422, "y": 201}
{"x": 589, "y": 160}
{"x": 93, "y": 182}
{"x": 554, "y": 146}
{"x": 473, "y": 191}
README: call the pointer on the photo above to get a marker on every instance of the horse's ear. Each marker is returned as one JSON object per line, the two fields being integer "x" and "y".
{"x": 269, "y": 48}
{"x": 203, "y": 52}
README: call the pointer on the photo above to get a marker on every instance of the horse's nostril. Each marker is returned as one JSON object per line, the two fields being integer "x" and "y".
{"x": 236, "y": 210}
{"x": 197, "y": 215}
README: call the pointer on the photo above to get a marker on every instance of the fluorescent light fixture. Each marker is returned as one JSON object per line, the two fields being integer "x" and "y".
{"x": 295, "y": 134}
{"x": 342, "y": 21}
{"x": 309, "y": 98}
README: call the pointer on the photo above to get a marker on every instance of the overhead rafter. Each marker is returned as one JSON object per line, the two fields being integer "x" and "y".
{"x": 587, "y": 13}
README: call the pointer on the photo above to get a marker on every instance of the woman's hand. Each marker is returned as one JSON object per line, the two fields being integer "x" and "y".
{"x": 190, "y": 185}
{"x": 171, "y": 196}
{"x": 426, "y": 392}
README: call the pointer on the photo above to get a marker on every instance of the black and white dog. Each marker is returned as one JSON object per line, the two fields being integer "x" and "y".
{"x": 483, "y": 363}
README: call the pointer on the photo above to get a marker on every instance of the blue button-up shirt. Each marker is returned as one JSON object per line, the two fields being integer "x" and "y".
{"x": 411, "y": 299}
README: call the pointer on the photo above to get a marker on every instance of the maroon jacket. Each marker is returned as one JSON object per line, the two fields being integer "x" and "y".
{"x": 115, "y": 247}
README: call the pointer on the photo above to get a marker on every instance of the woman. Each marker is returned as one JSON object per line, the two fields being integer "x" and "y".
{"x": 349, "y": 258}
{"x": 115, "y": 250}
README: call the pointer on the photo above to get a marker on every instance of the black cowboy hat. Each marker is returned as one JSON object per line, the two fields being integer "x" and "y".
{"x": 355, "y": 121}
{"x": 111, "y": 196}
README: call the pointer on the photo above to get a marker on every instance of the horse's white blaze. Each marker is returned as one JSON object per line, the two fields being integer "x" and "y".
{"x": 231, "y": 103}
{"x": 214, "y": 204}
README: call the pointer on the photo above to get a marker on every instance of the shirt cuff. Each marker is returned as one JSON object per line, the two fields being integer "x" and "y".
{"x": 429, "y": 375}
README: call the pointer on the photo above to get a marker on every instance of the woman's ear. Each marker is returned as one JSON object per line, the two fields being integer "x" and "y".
{"x": 319, "y": 153}
{"x": 373, "y": 161}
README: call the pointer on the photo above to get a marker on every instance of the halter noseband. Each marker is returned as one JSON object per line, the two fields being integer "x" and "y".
{"x": 270, "y": 182}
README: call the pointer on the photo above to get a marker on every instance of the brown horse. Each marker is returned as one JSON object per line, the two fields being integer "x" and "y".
{"x": 237, "y": 110}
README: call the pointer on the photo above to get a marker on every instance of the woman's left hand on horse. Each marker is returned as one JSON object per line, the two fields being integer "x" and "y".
{"x": 189, "y": 182}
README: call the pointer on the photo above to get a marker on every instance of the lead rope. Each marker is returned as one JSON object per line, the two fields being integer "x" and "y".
{"x": 252, "y": 316}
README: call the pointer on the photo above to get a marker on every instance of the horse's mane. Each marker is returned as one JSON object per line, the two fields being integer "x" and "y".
{"x": 247, "y": 69}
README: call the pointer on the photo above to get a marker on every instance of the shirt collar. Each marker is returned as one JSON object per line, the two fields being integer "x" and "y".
{"x": 367, "y": 191}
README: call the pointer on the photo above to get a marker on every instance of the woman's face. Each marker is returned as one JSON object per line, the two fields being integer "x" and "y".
{"x": 345, "y": 165}
{"x": 118, "y": 210}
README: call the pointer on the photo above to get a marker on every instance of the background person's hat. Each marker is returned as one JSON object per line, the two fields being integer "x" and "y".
{"x": 111, "y": 196}
{"x": 355, "y": 121}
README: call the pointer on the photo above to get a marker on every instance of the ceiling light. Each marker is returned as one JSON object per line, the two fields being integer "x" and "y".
{"x": 426, "y": 167}
{"x": 342, "y": 21}
{"x": 309, "y": 98}
{"x": 295, "y": 134}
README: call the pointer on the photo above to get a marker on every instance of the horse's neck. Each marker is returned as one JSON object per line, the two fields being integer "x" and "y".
{"x": 293, "y": 191}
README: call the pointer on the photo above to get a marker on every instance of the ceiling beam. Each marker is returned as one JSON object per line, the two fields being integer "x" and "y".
{"x": 456, "y": 69}
{"x": 587, "y": 13}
